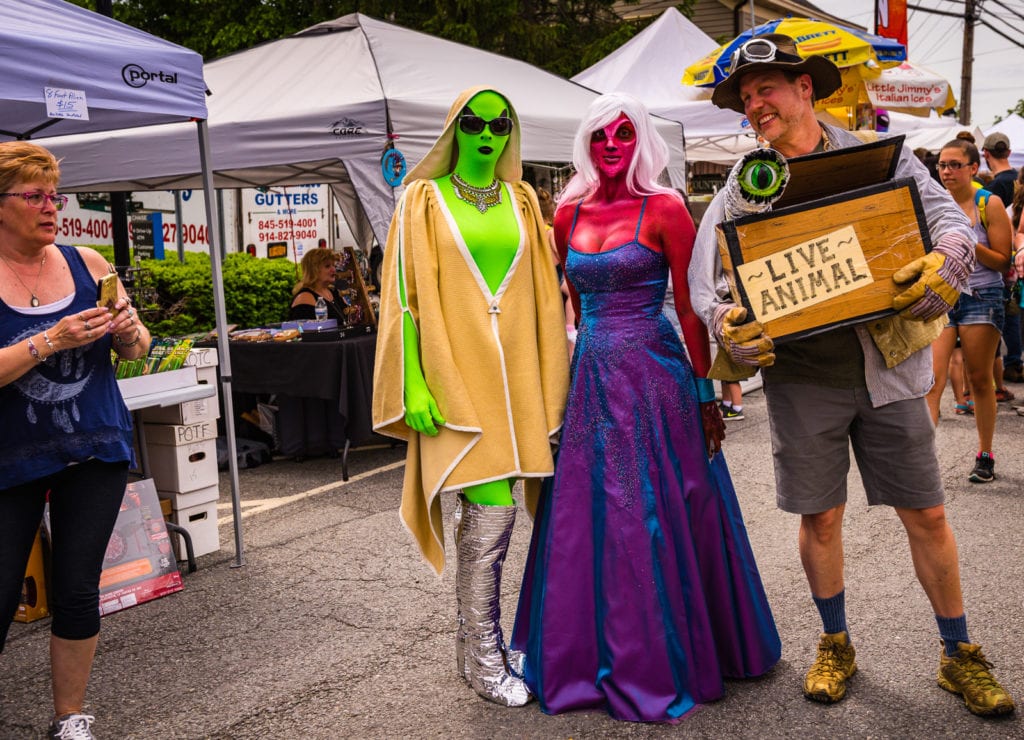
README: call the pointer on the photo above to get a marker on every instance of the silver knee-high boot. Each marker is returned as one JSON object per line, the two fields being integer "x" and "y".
{"x": 482, "y": 535}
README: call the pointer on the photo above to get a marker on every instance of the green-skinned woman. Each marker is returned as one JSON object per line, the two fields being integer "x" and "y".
{"x": 471, "y": 366}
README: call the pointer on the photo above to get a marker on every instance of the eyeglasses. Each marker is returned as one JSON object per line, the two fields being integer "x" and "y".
{"x": 37, "y": 199}
{"x": 950, "y": 165}
{"x": 500, "y": 126}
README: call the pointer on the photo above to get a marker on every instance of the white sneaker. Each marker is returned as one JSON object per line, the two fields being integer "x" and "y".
{"x": 71, "y": 727}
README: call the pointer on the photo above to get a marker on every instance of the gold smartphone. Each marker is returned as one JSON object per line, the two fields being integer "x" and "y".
{"x": 106, "y": 291}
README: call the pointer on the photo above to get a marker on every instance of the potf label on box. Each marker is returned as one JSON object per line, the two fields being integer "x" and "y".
{"x": 805, "y": 274}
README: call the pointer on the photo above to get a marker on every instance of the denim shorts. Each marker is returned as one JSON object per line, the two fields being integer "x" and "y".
{"x": 980, "y": 306}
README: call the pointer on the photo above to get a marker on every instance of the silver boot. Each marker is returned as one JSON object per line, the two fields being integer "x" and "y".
{"x": 482, "y": 541}
{"x": 460, "y": 622}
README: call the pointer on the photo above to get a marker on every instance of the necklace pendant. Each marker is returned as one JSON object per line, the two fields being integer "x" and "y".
{"x": 34, "y": 301}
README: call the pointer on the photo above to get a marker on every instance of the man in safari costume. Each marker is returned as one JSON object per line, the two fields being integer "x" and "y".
{"x": 862, "y": 384}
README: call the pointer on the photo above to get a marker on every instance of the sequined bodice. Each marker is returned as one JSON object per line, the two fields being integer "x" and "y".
{"x": 624, "y": 283}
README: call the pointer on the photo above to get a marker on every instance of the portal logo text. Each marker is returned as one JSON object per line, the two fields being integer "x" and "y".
{"x": 135, "y": 76}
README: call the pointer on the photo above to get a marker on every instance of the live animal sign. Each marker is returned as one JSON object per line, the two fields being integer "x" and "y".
{"x": 805, "y": 274}
{"x": 826, "y": 262}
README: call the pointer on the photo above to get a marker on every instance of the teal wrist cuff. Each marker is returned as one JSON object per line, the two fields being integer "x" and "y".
{"x": 705, "y": 390}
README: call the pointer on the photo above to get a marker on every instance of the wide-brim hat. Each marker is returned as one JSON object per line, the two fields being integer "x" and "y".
{"x": 774, "y": 51}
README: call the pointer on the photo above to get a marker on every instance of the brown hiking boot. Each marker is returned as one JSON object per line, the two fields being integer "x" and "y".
{"x": 968, "y": 673}
{"x": 826, "y": 680}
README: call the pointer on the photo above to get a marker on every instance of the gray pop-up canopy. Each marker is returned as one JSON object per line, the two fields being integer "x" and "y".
{"x": 323, "y": 105}
{"x": 66, "y": 70}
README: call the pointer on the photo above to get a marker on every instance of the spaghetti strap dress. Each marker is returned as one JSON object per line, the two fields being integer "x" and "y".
{"x": 641, "y": 592}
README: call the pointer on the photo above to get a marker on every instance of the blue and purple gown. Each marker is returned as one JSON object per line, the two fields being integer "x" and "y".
{"x": 641, "y": 592}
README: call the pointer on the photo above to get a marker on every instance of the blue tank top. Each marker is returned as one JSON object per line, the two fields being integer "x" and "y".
{"x": 64, "y": 410}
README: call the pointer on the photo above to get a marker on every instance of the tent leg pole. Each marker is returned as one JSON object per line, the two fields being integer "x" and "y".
{"x": 220, "y": 308}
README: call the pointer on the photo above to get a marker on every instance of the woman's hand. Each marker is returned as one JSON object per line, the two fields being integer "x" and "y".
{"x": 79, "y": 329}
{"x": 714, "y": 426}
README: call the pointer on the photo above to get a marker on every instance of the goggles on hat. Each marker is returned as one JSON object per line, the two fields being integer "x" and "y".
{"x": 471, "y": 124}
{"x": 759, "y": 50}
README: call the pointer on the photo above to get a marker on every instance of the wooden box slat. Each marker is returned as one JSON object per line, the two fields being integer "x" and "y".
{"x": 888, "y": 225}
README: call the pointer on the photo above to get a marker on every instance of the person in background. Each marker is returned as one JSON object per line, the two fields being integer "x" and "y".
{"x": 977, "y": 316}
{"x": 641, "y": 591}
{"x": 547, "y": 209}
{"x": 996, "y": 151}
{"x": 65, "y": 433}
{"x": 732, "y": 400}
{"x": 319, "y": 269}
{"x": 833, "y": 389}
{"x": 471, "y": 366}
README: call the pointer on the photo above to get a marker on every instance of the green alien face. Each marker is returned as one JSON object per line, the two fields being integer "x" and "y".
{"x": 483, "y": 129}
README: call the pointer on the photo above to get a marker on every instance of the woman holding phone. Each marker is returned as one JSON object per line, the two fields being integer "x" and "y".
{"x": 64, "y": 428}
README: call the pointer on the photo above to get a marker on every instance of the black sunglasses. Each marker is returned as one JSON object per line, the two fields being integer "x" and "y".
{"x": 470, "y": 124}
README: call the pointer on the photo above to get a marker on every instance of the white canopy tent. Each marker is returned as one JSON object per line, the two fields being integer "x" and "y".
{"x": 66, "y": 70}
{"x": 650, "y": 68}
{"x": 324, "y": 104}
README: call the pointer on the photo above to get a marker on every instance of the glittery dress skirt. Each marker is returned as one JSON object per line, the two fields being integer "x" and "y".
{"x": 641, "y": 591}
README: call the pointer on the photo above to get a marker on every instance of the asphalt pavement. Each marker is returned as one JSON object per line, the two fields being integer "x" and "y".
{"x": 334, "y": 627}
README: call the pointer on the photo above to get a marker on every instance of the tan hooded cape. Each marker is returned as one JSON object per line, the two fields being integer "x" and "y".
{"x": 496, "y": 364}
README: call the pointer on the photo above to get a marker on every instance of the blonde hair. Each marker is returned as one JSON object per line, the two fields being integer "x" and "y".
{"x": 21, "y": 161}
{"x": 547, "y": 205}
{"x": 311, "y": 263}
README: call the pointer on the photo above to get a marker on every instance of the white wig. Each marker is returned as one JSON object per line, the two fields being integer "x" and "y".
{"x": 650, "y": 158}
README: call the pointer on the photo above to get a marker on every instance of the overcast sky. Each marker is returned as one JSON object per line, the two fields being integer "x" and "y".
{"x": 936, "y": 42}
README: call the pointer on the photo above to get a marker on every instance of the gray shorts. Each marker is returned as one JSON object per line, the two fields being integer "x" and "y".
{"x": 812, "y": 429}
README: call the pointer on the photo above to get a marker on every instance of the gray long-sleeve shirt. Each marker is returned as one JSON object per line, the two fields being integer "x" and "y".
{"x": 913, "y": 377}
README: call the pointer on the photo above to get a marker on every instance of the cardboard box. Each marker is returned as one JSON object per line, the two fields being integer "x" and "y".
{"x": 184, "y": 468}
{"x": 144, "y": 385}
{"x": 206, "y": 375}
{"x": 826, "y": 261}
{"x": 202, "y": 357}
{"x": 179, "y": 501}
{"x": 201, "y": 409}
{"x": 33, "y": 604}
{"x": 201, "y": 523}
{"x": 139, "y": 565}
{"x": 180, "y": 434}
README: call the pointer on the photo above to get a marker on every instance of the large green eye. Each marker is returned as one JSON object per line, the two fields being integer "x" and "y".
{"x": 763, "y": 176}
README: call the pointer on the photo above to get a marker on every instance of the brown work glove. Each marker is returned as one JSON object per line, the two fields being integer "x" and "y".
{"x": 939, "y": 278}
{"x": 746, "y": 343}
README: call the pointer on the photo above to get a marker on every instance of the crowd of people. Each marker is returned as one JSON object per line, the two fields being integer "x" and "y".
{"x": 641, "y": 592}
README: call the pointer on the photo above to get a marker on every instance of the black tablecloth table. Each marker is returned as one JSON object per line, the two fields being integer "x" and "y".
{"x": 324, "y": 390}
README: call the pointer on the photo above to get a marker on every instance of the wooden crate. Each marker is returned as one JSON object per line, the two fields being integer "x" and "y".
{"x": 827, "y": 262}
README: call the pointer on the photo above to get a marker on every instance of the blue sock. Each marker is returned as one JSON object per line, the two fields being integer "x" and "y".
{"x": 833, "y": 612}
{"x": 952, "y": 630}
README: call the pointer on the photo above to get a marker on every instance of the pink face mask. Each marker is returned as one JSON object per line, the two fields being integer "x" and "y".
{"x": 612, "y": 147}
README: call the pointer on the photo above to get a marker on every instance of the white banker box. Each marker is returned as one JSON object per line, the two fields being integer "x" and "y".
{"x": 184, "y": 468}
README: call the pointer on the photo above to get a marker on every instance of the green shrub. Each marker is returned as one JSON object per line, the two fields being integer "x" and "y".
{"x": 178, "y": 296}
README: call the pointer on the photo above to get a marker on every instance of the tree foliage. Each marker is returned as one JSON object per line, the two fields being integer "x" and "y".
{"x": 561, "y": 36}
{"x": 1018, "y": 109}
